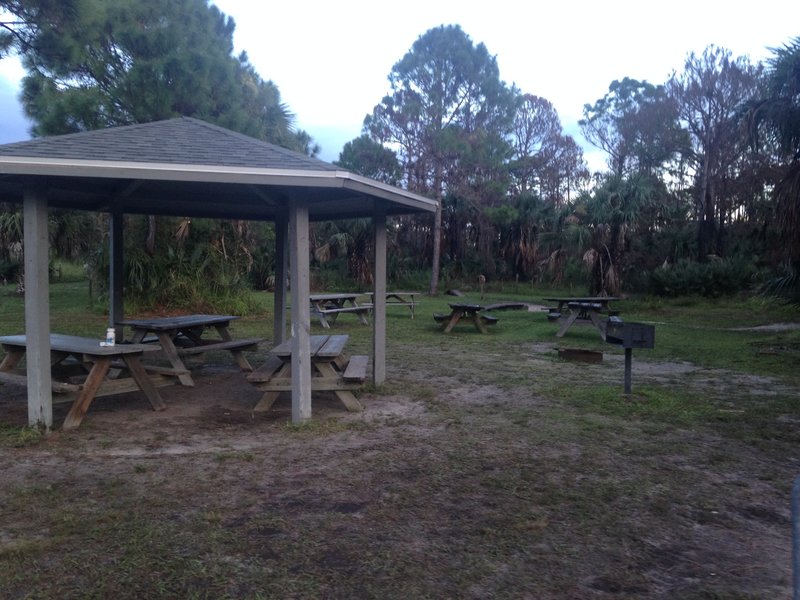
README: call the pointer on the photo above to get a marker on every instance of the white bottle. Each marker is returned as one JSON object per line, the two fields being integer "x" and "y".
{"x": 110, "y": 335}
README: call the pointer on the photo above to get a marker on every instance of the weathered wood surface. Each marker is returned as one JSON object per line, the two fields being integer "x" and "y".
{"x": 329, "y": 363}
{"x": 588, "y": 310}
{"x": 356, "y": 369}
{"x": 209, "y": 346}
{"x": 178, "y": 322}
{"x": 468, "y": 311}
{"x": 98, "y": 359}
{"x": 182, "y": 336}
{"x": 407, "y": 299}
{"x": 265, "y": 372}
{"x": 326, "y": 307}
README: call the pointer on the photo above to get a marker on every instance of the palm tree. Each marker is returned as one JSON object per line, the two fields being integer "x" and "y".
{"x": 615, "y": 212}
{"x": 777, "y": 118}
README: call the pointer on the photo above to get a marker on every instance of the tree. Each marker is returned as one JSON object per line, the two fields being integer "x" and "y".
{"x": 370, "y": 159}
{"x": 447, "y": 117}
{"x": 775, "y": 121}
{"x": 536, "y": 129}
{"x": 710, "y": 93}
{"x": 22, "y": 22}
{"x": 615, "y": 212}
{"x": 636, "y": 123}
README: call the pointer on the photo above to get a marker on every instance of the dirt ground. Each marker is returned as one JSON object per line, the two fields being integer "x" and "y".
{"x": 446, "y": 486}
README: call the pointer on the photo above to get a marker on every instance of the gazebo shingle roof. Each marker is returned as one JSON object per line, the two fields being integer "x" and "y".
{"x": 187, "y": 167}
{"x": 183, "y": 140}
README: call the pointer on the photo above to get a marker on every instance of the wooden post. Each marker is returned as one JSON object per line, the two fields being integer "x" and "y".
{"x": 281, "y": 269}
{"x": 116, "y": 273}
{"x": 37, "y": 309}
{"x": 301, "y": 314}
{"x": 379, "y": 297}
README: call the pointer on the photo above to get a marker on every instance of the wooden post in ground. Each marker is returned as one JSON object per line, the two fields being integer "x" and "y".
{"x": 379, "y": 298}
{"x": 37, "y": 309}
{"x": 301, "y": 313}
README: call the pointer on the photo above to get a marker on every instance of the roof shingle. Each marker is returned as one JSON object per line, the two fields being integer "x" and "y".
{"x": 182, "y": 140}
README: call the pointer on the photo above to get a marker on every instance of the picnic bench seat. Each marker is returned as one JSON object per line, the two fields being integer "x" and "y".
{"x": 489, "y": 319}
{"x": 266, "y": 371}
{"x": 356, "y": 369}
{"x": 553, "y": 314}
{"x": 58, "y": 387}
{"x": 155, "y": 369}
{"x": 243, "y": 344}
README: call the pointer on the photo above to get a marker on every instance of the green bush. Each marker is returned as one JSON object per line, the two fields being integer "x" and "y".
{"x": 711, "y": 279}
{"x": 9, "y": 271}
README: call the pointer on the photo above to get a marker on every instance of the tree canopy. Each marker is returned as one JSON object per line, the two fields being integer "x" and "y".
{"x": 98, "y": 63}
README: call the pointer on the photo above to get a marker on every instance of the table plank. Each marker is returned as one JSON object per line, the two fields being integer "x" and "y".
{"x": 332, "y": 347}
{"x": 327, "y": 362}
{"x": 81, "y": 345}
{"x": 89, "y": 352}
{"x": 179, "y": 322}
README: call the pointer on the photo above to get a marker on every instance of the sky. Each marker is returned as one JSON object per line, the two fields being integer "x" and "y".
{"x": 331, "y": 60}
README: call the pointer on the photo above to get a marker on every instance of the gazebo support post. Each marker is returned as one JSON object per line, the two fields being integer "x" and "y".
{"x": 37, "y": 309}
{"x": 116, "y": 273}
{"x": 379, "y": 297}
{"x": 301, "y": 313}
{"x": 281, "y": 269}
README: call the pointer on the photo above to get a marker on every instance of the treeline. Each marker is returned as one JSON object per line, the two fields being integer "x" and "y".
{"x": 700, "y": 194}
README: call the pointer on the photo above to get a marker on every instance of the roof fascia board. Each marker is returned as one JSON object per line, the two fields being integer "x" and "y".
{"x": 56, "y": 167}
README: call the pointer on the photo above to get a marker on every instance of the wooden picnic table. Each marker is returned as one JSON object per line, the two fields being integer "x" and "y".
{"x": 327, "y": 307}
{"x": 586, "y": 310}
{"x": 82, "y": 370}
{"x": 471, "y": 312}
{"x": 408, "y": 299}
{"x": 331, "y": 370}
{"x": 182, "y": 336}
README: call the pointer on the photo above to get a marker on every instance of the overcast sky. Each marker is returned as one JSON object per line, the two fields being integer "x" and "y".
{"x": 331, "y": 60}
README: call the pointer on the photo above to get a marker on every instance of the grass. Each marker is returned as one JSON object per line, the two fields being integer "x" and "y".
{"x": 517, "y": 474}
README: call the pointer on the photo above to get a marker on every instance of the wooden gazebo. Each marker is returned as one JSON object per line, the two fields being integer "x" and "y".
{"x": 189, "y": 168}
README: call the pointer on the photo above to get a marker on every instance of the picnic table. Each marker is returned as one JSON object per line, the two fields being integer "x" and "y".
{"x": 327, "y": 307}
{"x": 583, "y": 310}
{"x": 472, "y": 312}
{"x": 331, "y": 370}
{"x": 182, "y": 336}
{"x": 408, "y": 299}
{"x": 83, "y": 370}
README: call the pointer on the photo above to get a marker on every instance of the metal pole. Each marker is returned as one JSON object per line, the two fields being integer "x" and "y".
{"x": 796, "y": 537}
{"x": 628, "y": 361}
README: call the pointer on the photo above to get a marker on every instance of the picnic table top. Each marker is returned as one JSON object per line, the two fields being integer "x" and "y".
{"x": 412, "y": 294}
{"x": 179, "y": 322}
{"x": 82, "y": 345}
{"x": 334, "y": 296}
{"x": 322, "y": 346}
{"x": 466, "y": 306}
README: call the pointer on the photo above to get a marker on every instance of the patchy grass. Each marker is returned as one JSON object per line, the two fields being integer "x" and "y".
{"x": 486, "y": 467}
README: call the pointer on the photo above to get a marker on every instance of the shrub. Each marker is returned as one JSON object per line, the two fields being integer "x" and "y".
{"x": 711, "y": 279}
{"x": 9, "y": 271}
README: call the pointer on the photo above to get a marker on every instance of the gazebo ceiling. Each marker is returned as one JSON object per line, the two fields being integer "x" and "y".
{"x": 187, "y": 167}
